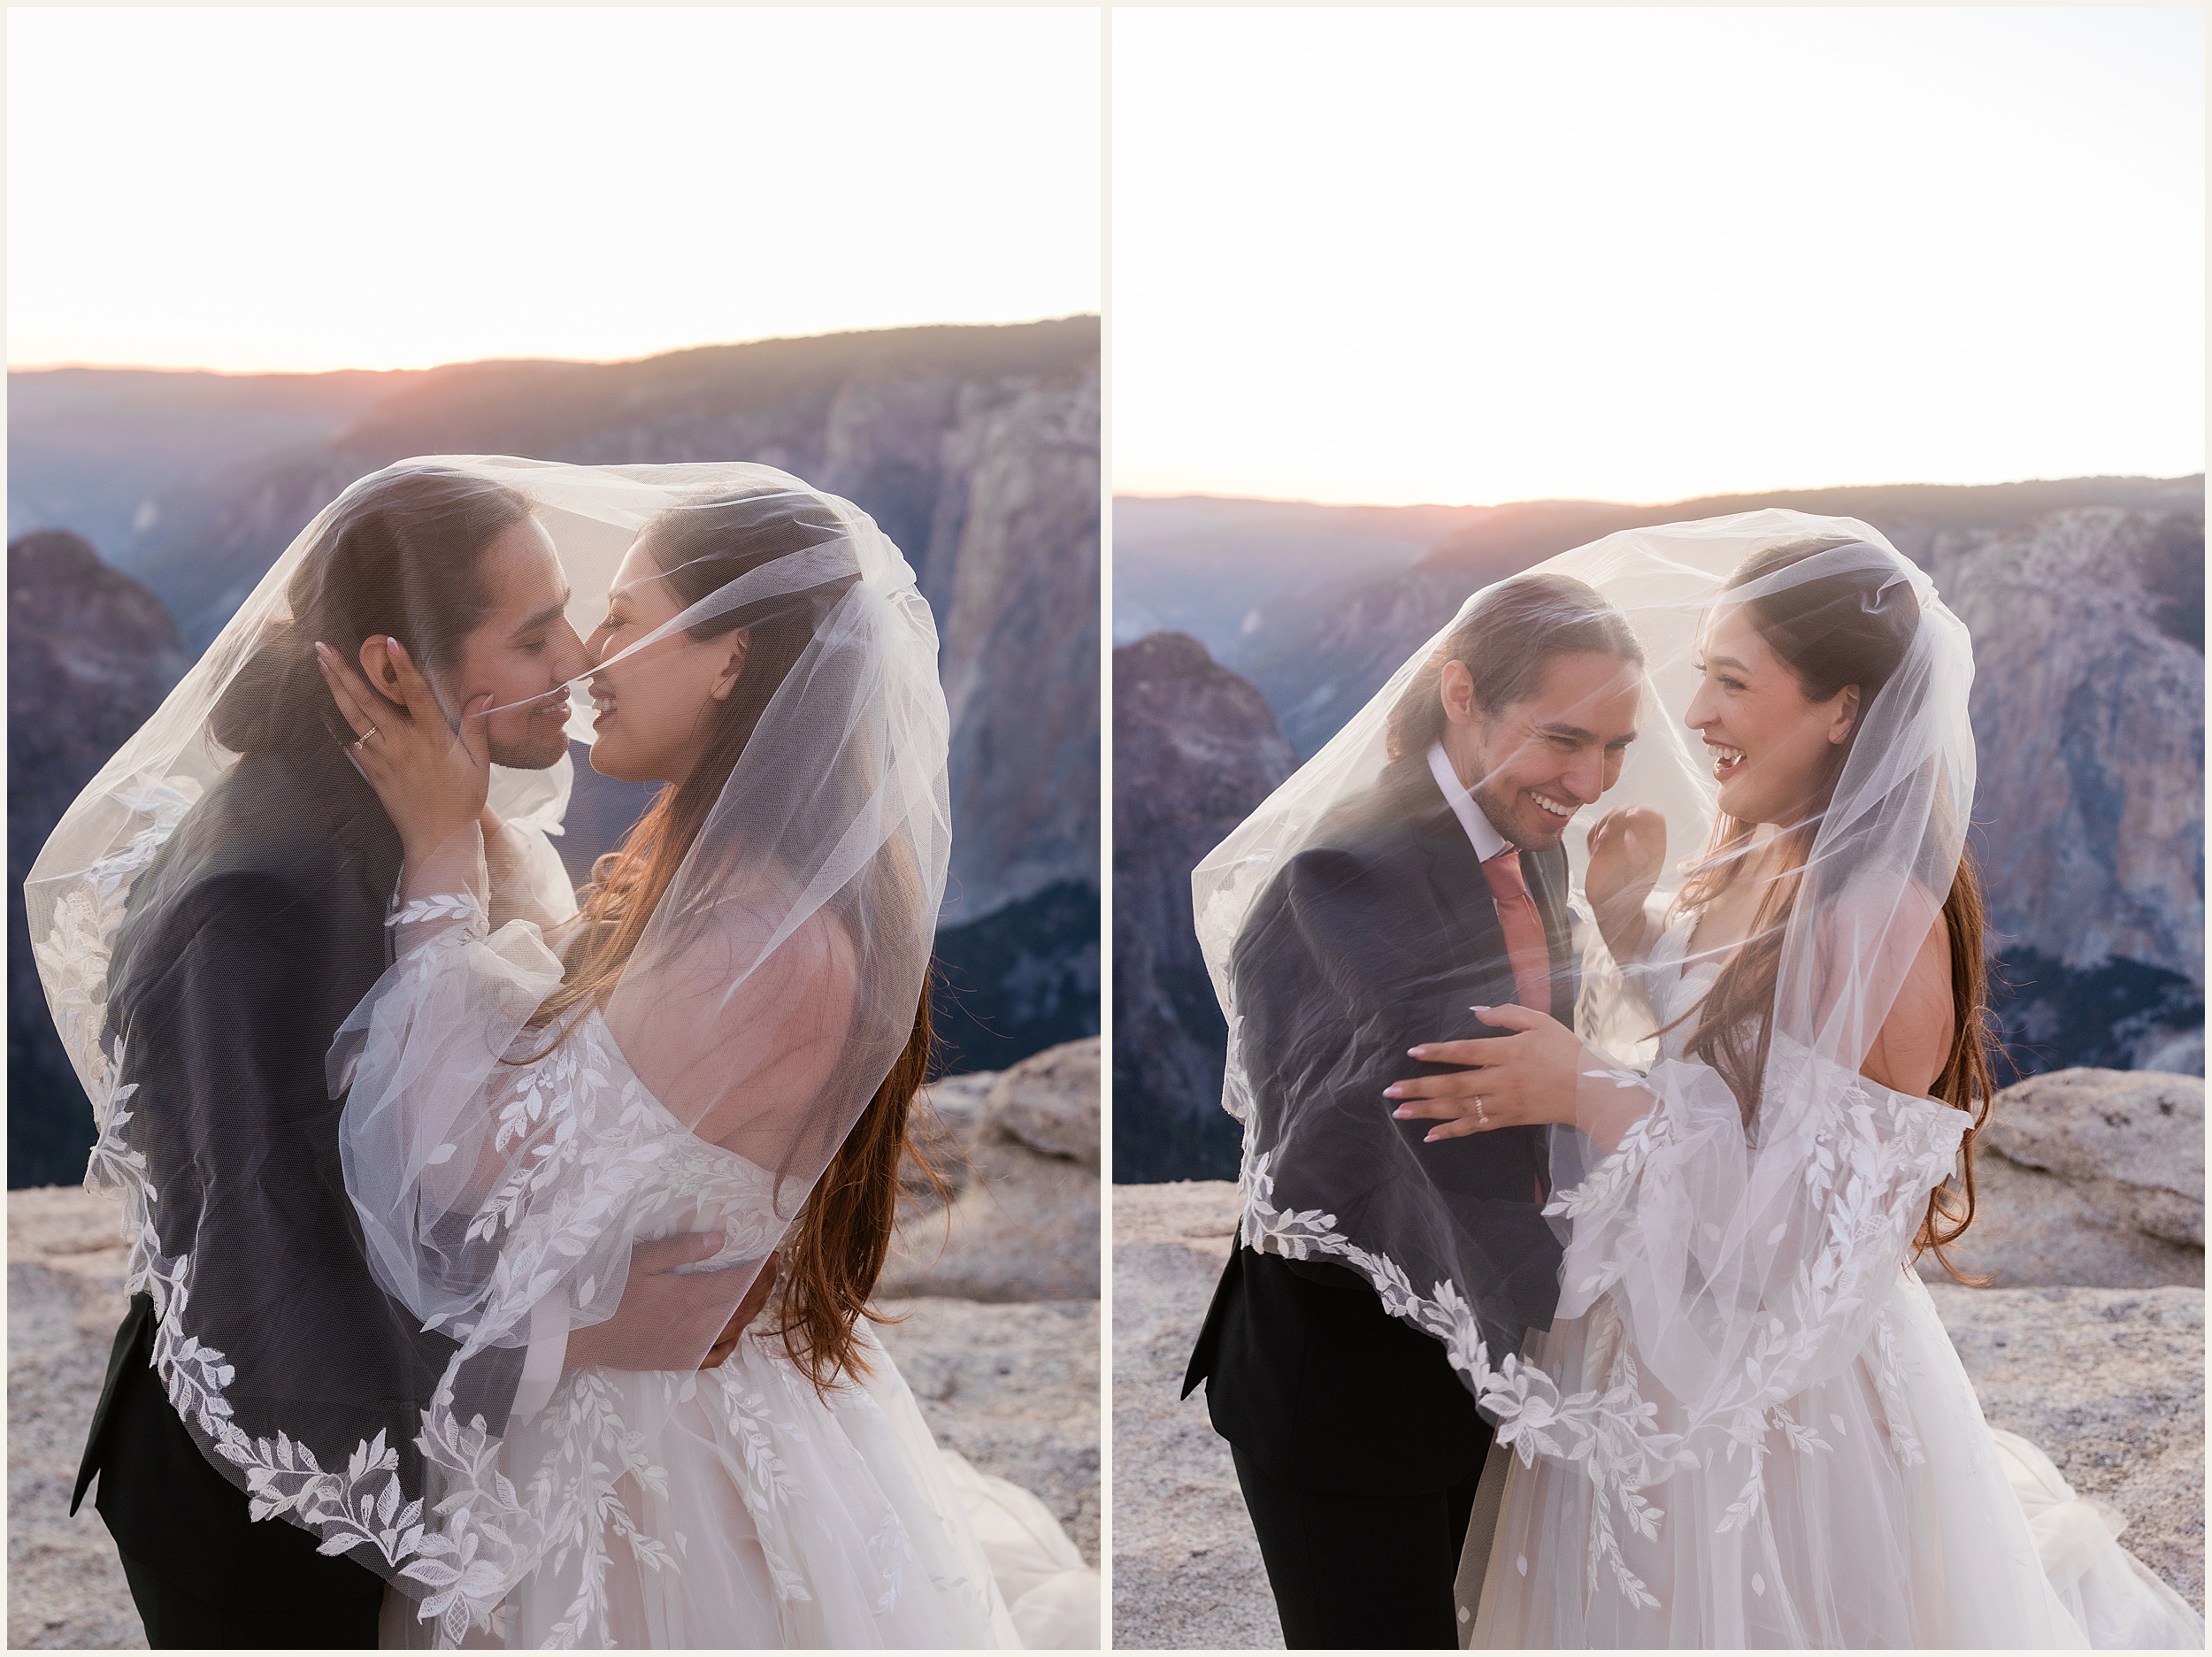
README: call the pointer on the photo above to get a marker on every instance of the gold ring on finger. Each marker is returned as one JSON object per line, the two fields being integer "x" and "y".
{"x": 1480, "y": 1119}
{"x": 364, "y": 737}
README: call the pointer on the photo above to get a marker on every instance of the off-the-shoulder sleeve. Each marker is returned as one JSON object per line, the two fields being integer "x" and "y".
{"x": 1750, "y": 1264}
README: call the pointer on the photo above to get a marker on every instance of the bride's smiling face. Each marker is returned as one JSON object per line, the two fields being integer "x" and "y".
{"x": 656, "y": 711}
{"x": 1774, "y": 750}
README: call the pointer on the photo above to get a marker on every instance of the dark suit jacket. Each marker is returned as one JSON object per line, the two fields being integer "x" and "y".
{"x": 253, "y": 935}
{"x": 1381, "y": 933}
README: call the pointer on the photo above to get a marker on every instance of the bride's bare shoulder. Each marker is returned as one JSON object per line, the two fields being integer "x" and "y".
{"x": 741, "y": 940}
{"x": 1912, "y": 945}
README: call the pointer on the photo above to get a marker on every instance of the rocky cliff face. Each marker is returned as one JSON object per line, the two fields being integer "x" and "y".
{"x": 1195, "y": 749}
{"x": 977, "y": 451}
{"x": 2085, "y": 600}
{"x": 1320, "y": 651}
{"x": 2088, "y": 707}
{"x": 90, "y": 655}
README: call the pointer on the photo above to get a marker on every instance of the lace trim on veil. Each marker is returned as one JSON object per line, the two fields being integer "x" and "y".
{"x": 1611, "y": 1431}
{"x": 482, "y": 1535}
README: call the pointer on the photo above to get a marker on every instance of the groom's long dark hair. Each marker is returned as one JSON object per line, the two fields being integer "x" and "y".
{"x": 401, "y": 555}
{"x": 1505, "y": 644}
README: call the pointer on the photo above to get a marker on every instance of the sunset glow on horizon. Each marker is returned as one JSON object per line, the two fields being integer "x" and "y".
{"x": 295, "y": 189}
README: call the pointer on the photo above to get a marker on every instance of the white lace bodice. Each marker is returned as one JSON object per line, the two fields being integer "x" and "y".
{"x": 697, "y": 1186}
{"x": 1673, "y": 986}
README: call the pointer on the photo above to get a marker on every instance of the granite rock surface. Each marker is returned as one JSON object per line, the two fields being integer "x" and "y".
{"x": 1010, "y": 1378}
{"x": 2132, "y": 1140}
{"x": 2109, "y": 1383}
{"x": 1024, "y": 1221}
{"x": 2089, "y": 1178}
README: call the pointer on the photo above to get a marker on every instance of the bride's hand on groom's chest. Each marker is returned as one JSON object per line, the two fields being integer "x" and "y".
{"x": 1522, "y": 1076}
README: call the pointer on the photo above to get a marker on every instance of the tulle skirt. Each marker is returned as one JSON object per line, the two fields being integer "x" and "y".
{"x": 753, "y": 1512}
{"x": 1888, "y": 1514}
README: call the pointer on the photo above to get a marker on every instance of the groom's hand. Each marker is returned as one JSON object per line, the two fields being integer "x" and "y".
{"x": 1528, "y": 1077}
{"x": 747, "y": 1310}
{"x": 668, "y": 1319}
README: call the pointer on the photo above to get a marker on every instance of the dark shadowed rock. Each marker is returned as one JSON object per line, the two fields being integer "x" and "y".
{"x": 1195, "y": 749}
{"x": 2089, "y": 715}
{"x": 90, "y": 655}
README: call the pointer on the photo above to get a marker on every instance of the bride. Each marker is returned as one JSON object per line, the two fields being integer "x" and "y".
{"x": 1745, "y": 1424}
{"x": 727, "y": 1039}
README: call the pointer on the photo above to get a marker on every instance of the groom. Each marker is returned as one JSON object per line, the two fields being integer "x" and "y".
{"x": 247, "y": 943}
{"x": 1356, "y": 1444}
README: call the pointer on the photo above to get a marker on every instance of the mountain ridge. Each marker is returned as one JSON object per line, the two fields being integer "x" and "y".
{"x": 975, "y": 448}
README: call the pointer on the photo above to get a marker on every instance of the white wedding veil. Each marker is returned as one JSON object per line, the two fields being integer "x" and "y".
{"x": 498, "y": 1168}
{"x": 1740, "y": 1247}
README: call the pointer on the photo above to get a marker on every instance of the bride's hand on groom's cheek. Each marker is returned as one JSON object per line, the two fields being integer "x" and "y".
{"x": 1525, "y": 1078}
{"x": 431, "y": 777}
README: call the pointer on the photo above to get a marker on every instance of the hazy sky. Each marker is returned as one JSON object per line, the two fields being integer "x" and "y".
{"x": 381, "y": 187}
{"x": 1482, "y": 254}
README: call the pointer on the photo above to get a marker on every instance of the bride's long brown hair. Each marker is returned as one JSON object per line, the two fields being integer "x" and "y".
{"x": 1830, "y": 632}
{"x": 837, "y": 1248}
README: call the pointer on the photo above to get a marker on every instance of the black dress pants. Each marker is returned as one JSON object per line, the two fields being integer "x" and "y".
{"x": 1360, "y": 1573}
{"x": 178, "y": 1618}
{"x": 202, "y": 1574}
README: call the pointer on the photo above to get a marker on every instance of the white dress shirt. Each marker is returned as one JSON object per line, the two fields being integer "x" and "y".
{"x": 1485, "y": 839}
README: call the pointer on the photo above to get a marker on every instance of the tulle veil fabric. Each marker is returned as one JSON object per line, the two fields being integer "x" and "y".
{"x": 1740, "y": 1266}
{"x": 797, "y": 931}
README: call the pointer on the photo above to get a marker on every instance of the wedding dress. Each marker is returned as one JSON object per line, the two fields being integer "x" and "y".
{"x": 1889, "y": 1513}
{"x": 735, "y": 1507}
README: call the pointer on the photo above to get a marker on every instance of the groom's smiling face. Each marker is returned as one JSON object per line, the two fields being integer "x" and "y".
{"x": 1531, "y": 765}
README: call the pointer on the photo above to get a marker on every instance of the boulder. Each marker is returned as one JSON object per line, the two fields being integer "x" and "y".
{"x": 1047, "y": 1102}
{"x": 2032, "y": 1229}
{"x": 2092, "y": 1179}
{"x": 2132, "y": 1141}
{"x": 943, "y": 1121}
{"x": 1025, "y": 1224}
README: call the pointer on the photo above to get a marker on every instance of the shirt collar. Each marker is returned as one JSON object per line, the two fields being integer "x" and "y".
{"x": 1485, "y": 840}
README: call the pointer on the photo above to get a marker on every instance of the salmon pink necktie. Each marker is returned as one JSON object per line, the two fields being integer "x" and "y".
{"x": 1524, "y": 929}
